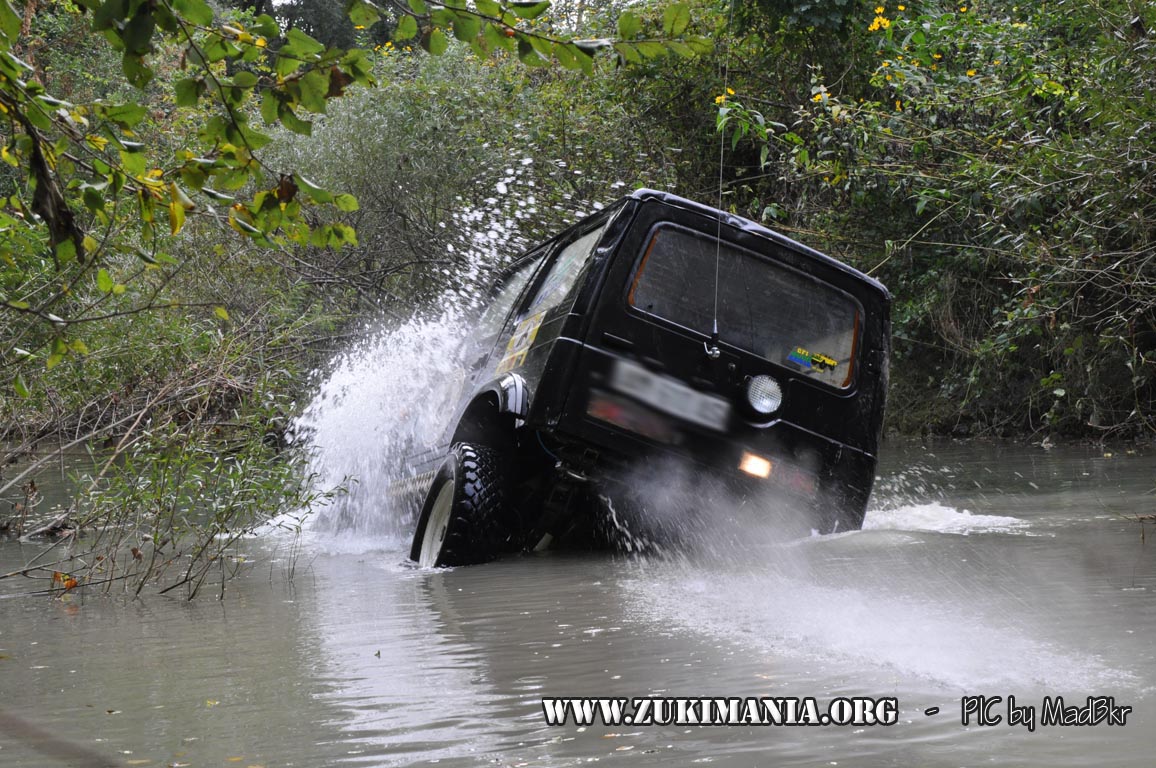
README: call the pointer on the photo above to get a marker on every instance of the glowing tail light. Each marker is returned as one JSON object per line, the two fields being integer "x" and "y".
{"x": 755, "y": 465}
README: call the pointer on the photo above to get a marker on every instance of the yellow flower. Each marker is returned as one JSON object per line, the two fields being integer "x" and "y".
{"x": 898, "y": 106}
{"x": 963, "y": 9}
{"x": 730, "y": 91}
{"x": 817, "y": 97}
{"x": 878, "y": 10}
{"x": 937, "y": 56}
{"x": 881, "y": 22}
{"x": 888, "y": 78}
{"x": 996, "y": 62}
{"x": 887, "y": 63}
{"x": 971, "y": 73}
{"x": 901, "y": 7}
{"x": 721, "y": 98}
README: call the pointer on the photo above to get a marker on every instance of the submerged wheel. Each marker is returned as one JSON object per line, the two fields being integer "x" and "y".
{"x": 462, "y": 521}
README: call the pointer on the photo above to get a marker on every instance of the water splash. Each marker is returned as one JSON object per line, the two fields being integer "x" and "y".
{"x": 940, "y": 518}
{"x": 885, "y": 623}
{"x": 388, "y": 397}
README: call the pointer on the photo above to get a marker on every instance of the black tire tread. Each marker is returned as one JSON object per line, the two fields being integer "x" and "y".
{"x": 476, "y": 532}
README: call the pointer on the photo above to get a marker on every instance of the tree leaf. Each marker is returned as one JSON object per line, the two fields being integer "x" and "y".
{"x": 529, "y": 10}
{"x": 675, "y": 19}
{"x": 93, "y": 197}
{"x": 466, "y": 28}
{"x": 196, "y": 11}
{"x": 314, "y": 88}
{"x": 188, "y": 91}
{"x": 176, "y": 217}
{"x": 437, "y": 42}
{"x": 270, "y": 107}
{"x": 244, "y": 79}
{"x": 362, "y": 13}
{"x": 222, "y": 313}
{"x": 136, "y": 71}
{"x": 134, "y": 162}
{"x": 138, "y": 33}
{"x": 59, "y": 350}
{"x": 18, "y": 382}
{"x": 628, "y": 52}
{"x": 312, "y": 191}
{"x": 104, "y": 281}
{"x": 565, "y": 55}
{"x": 10, "y": 22}
{"x": 125, "y": 115}
{"x": 346, "y": 202}
{"x": 66, "y": 250}
{"x": 290, "y": 120}
{"x": 700, "y": 45}
{"x": 628, "y": 25}
{"x": 406, "y": 28}
{"x": 651, "y": 50}
{"x": 341, "y": 234}
{"x": 302, "y": 43}
{"x": 265, "y": 25}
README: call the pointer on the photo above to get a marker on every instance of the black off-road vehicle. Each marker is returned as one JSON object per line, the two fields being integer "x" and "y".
{"x": 658, "y": 329}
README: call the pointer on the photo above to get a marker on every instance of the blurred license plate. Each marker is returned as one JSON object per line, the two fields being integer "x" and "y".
{"x": 670, "y": 396}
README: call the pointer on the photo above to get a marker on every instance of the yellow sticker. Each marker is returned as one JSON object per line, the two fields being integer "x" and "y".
{"x": 510, "y": 362}
{"x": 811, "y": 361}
{"x": 520, "y": 343}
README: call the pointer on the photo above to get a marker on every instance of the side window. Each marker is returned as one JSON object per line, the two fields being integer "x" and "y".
{"x": 500, "y": 304}
{"x": 564, "y": 273}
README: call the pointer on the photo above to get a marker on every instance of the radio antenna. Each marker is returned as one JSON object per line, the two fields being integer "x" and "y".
{"x": 712, "y": 349}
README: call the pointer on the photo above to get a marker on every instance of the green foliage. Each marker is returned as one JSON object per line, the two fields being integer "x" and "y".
{"x": 995, "y": 156}
{"x": 96, "y": 179}
{"x": 831, "y": 15}
{"x": 193, "y": 208}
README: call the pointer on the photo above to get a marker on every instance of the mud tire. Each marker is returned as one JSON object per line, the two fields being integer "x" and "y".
{"x": 462, "y": 521}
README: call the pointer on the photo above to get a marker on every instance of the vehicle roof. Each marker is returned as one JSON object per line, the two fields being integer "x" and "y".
{"x": 746, "y": 225}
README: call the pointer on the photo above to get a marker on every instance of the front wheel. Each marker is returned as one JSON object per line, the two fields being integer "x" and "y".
{"x": 462, "y": 520}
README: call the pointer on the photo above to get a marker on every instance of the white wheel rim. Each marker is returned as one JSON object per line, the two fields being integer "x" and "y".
{"x": 437, "y": 525}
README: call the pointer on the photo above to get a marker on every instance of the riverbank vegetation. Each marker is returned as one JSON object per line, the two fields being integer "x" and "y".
{"x": 202, "y": 203}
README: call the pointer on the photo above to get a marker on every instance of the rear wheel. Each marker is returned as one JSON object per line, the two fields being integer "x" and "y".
{"x": 462, "y": 521}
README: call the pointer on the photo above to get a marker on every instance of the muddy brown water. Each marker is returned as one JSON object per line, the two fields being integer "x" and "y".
{"x": 984, "y": 571}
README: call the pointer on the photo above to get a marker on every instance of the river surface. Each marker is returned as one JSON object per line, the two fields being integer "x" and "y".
{"x": 984, "y": 570}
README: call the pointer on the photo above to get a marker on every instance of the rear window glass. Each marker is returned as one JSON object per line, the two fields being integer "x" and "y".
{"x": 767, "y": 308}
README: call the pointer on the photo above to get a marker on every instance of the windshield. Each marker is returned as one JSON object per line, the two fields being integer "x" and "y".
{"x": 767, "y": 308}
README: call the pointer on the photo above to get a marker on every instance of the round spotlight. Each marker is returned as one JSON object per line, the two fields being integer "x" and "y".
{"x": 764, "y": 394}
